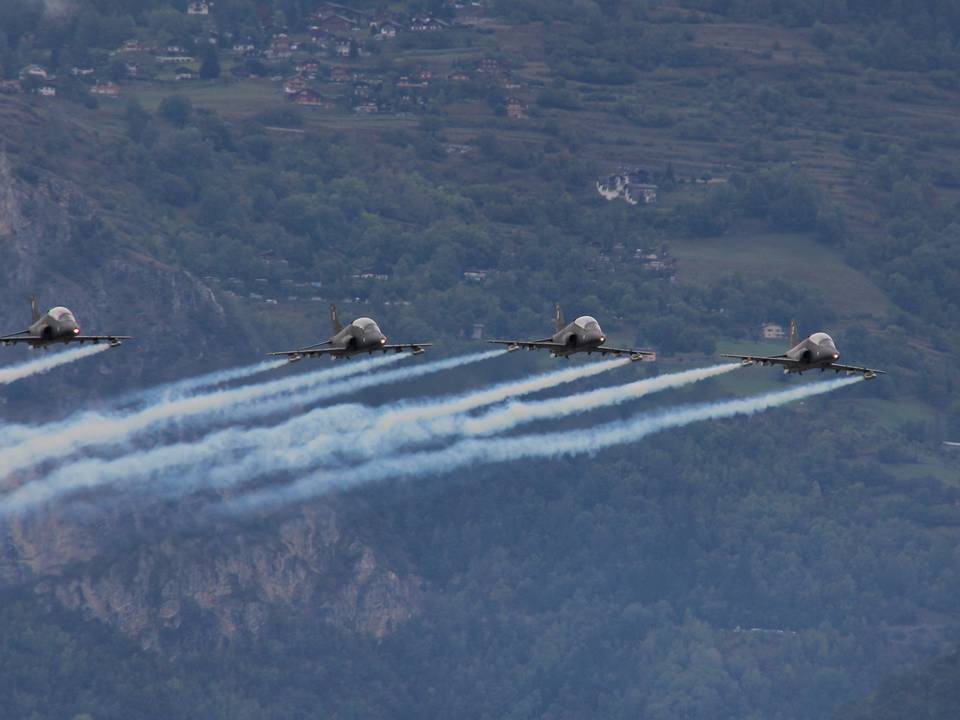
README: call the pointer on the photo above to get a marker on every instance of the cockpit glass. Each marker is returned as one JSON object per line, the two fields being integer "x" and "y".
{"x": 60, "y": 314}
{"x": 821, "y": 338}
{"x": 586, "y": 322}
{"x": 364, "y": 323}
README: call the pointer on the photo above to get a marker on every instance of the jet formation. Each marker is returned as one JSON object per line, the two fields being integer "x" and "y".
{"x": 364, "y": 337}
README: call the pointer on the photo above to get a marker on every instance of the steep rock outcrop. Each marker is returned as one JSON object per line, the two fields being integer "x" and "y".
{"x": 213, "y": 587}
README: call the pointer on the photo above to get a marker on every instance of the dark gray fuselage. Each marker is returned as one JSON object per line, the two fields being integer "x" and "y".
{"x": 817, "y": 351}
{"x": 582, "y": 335}
{"x": 363, "y": 335}
{"x": 58, "y": 325}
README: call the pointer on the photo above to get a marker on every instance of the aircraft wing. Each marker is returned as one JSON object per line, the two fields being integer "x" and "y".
{"x": 317, "y": 351}
{"x": 19, "y": 337}
{"x": 306, "y": 352}
{"x": 765, "y": 360}
{"x": 868, "y": 373}
{"x": 112, "y": 339}
{"x": 529, "y": 344}
{"x": 417, "y": 348}
{"x": 634, "y": 354}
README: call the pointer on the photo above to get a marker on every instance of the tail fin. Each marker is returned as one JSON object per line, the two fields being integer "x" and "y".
{"x": 558, "y": 317}
{"x": 34, "y": 309}
{"x": 337, "y": 327}
{"x": 794, "y": 334}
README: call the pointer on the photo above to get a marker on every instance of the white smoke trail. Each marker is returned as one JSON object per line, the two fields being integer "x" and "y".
{"x": 316, "y": 437}
{"x": 535, "y": 446}
{"x": 95, "y": 429}
{"x": 514, "y": 414}
{"x": 388, "y": 377}
{"x": 245, "y": 453}
{"x": 224, "y": 444}
{"x": 180, "y": 388}
{"x": 415, "y": 412}
{"x": 444, "y": 419}
{"x": 355, "y": 431}
{"x": 48, "y": 362}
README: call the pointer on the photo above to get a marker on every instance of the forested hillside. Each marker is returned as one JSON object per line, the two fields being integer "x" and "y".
{"x": 215, "y": 174}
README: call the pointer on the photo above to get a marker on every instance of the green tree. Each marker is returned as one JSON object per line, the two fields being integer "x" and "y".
{"x": 176, "y": 109}
{"x": 210, "y": 65}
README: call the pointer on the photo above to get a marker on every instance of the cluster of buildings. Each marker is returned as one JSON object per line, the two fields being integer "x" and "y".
{"x": 369, "y": 92}
{"x": 630, "y": 186}
{"x": 323, "y": 77}
{"x": 31, "y": 79}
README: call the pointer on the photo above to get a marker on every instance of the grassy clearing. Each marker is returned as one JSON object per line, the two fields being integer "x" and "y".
{"x": 228, "y": 98}
{"x": 796, "y": 257}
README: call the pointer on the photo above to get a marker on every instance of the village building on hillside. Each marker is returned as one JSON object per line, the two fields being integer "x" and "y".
{"x": 336, "y": 24}
{"x": 661, "y": 264}
{"x": 427, "y": 24}
{"x": 108, "y": 89}
{"x": 311, "y": 98}
{"x": 628, "y": 186}
{"x": 488, "y": 66}
{"x": 308, "y": 69}
{"x": 384, "y": 28}
{"x": 406, "y": 83}
{"x": 340, "y": 74}
{"x": 184, "y": 73}
{"x": 47, "y": 90}
{"x": 640, "y": 193}
{"x": 33, "y": 72}
{"x": 367, "y": 108}
{"x": 293, "y": 85}
{"x": 362, "y": 89}
{"x": 772, "y": 331}
{"x": 198, "y": 8}
{"x": 10, "y": 87}
{"x": 280, "y": 47}
{"x": 172, "y": 58}
{"x": 516, "y": 109}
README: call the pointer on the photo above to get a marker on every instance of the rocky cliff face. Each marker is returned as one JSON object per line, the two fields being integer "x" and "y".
{"x": 214, "y": 585}
{"x": 151, "y": 580}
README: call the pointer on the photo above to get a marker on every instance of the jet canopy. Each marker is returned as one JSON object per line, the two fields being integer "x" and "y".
{"x": 820, "y": 338}
{"x": 364, "y": 323}
{"x": 60, "y": 314}
{"x": 587, "y": 323}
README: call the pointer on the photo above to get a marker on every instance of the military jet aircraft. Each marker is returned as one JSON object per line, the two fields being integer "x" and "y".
{"x": 817, "y": 352}
{"x": 361, "y": 336}
{"x": 58, "y": 325}
{"x": 582, "y": 335}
